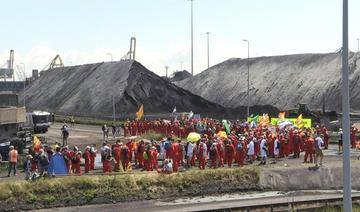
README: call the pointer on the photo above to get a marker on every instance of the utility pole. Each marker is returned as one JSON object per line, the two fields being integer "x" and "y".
{"x": 208, "y": 57}
{"x": 248, "y": 80}
{"x": 346, "y": 113}
{"x": 358, "y": 44}
{"x": 192, "y": 39}
{"x": 166, "y": 68}
{"x": 113, "y": 101}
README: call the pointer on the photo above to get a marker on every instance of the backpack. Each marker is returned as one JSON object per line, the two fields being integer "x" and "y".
{"x": 212, "y": 152}
{"x": 44, "y": 161}
{"x": 239, "y": 146}
{"x": 125, "y": 151}
{"x": 167, "y": 145}
{"x": 278, "y": 145}
{"x": 145, "y": 155}
{"x": 228, "y": 148}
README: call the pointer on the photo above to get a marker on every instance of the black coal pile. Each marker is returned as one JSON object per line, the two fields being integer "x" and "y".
{"x": 280, "y": 81}
{"x": 91, "y": 89}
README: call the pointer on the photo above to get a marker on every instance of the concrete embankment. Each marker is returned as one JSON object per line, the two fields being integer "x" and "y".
{"x": 304, "y": 178}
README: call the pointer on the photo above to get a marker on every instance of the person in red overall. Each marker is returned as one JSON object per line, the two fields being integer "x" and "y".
{"x": 175, "y": 155}
{"x": 214, "y": 155}
{"x": 297, "y": 141}
{"x": 154, "y": 157}
{"x": 229, "y": 153}
{"x": 326, "y": 137}
{"x": 270, "y": 138}
{"x": 240, "y": 153}
{"x": 140, "y": 153}
{"x": 92, "y": 156}
{"x": 282, "y": 145}
{"x": 221, "y": 151}
{"x": 353, "y": 131}
{"x": 70, "y": 154}
{"x": 202, "y": 155}
{"x": 147, "y": 159}
{"x": 290, "y": 141}
{"x": 87, "y": 157}
{"x": 76, "y": 163}
{"x": 116, "y": 149}
{"x": 106, "y": 159}
{"x": 124, "y": 157}
{"x": 309, "y": 149}
{"x": 130, "y": 153}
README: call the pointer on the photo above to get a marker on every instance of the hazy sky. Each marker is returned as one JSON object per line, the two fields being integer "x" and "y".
{"x": 84, "y": 31}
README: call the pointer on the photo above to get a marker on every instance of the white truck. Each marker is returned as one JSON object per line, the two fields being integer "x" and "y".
{"x": 39, "y": 121}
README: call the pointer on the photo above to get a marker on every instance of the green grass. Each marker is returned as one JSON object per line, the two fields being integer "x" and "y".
{"x": 356, "y": 208}
{"x": 72, "y": 191}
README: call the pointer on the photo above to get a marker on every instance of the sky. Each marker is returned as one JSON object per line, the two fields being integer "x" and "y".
{"x": 90, "y": 31}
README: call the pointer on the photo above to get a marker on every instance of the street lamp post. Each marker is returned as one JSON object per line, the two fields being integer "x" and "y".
{"x": 23, "y": 64}
{"x": 208, "y": 57}
{"x": 113, "y": 101}
{"x": 248, "y": 79}
{"x": 358, "y": 44}
{"x": 346, "y": 113}
{"x": 110, "y": 56}
{"x": 192, "y": 39}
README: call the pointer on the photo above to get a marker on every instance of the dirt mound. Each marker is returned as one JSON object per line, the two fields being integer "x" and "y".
{"x": 280, "y": 81}
{"x": 89, "y": 90}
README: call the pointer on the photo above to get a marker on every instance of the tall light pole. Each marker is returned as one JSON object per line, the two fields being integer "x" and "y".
{"x": 346, "y": 113}
{"x": 248, "y": 80}
{"x": 110, "y": 56}
{"x": 113, "y": 101}
{"x": 166, "y": 68}
{"x": 23, "y": 64}
{"x": 358, "y": 43}
{"x": 192, "y": 39}
{"x": 208, "y": 57}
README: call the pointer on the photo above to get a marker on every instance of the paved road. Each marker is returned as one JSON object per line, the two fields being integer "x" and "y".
{"x": 236, "y": 201}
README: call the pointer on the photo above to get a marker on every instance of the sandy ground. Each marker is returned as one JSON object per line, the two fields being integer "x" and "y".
{"x": 83, "y": 135}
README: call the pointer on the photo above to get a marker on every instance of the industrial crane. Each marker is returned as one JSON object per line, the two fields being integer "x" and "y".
{"x": 54, "y": 63}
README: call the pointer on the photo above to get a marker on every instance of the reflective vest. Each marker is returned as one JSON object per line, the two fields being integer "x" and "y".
{"x": 13, "y": 155}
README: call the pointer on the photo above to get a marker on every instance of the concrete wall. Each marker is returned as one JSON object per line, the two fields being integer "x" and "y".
{"x": 12, "y": 115}
{"x": 303, "y": 178}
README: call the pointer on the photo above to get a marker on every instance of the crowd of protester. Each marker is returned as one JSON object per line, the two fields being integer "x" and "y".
{"x": 219, "y": 144}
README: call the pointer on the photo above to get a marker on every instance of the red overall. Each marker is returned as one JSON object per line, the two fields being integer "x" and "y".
{"x": 309, "y": 149}
{"x": 221, "y": 150}
{"x": 175, "y": 150}
{"x": 117, "y": 155}
{"x": 214, "y": 156}
{"x": 353, "y": 132}
{"x": 140, "y": 154}
{"x": 229, "y": 154}
{"x": 87, "y": 156}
